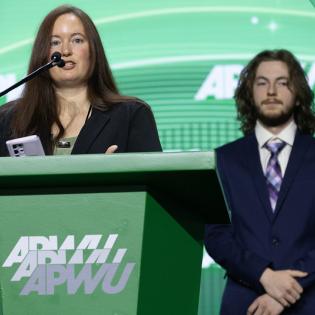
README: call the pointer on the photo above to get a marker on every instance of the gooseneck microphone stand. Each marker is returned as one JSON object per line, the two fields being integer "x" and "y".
{"x": 55, "y": 61}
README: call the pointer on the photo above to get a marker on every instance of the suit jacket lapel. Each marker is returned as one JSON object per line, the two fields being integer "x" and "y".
{"x": 300, "y": 146}
{"x": 255, "y": 168}
{"x": 90, "y": 131}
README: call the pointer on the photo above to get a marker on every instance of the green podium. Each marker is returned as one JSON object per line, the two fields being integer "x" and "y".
{"x": 105, "y": 234}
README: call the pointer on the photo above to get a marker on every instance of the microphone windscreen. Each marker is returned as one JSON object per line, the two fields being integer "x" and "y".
{"x": 56, "y": 56}
{"x": 61, "y": 63}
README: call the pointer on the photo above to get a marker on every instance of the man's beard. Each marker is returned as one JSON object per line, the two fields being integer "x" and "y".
{"x": 275, "y": 120}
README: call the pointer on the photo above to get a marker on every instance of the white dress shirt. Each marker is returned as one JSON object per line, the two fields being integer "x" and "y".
{"x": 263, "y": 136}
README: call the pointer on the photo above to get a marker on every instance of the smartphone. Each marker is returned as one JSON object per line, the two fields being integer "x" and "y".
{"x": 26, "y": 146}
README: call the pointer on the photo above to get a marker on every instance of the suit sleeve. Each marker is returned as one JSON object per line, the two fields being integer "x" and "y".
{"x": 307, "y": 264}
{"x": 143, "y": 135}
{"x": 5, "y": 119}
{"x": 222, "y": 245}
{"x": 2, "y": 138}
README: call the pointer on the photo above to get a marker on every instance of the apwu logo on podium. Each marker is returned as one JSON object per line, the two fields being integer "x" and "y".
{"x": 47, "y": 266}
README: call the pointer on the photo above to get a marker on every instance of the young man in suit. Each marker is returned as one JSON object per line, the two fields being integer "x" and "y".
{"x": 268, "y": 178}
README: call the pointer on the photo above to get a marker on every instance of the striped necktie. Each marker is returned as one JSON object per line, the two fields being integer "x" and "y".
{"x": 273, "y": 172}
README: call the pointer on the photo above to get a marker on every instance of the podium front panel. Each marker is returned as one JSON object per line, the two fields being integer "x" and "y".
{"x": 71, "y": 253}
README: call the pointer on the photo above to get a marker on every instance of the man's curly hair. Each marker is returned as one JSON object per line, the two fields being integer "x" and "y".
{"x": 246, "y": 110}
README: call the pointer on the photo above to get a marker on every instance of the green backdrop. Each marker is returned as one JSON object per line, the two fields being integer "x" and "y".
{"x": 182, "y": 56}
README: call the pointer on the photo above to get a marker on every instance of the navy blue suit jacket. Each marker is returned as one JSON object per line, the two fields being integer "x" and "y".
{"x": 257, "y": 237}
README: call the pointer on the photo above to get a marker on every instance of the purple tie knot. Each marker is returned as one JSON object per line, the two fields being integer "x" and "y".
{"x": 275, "y": 147}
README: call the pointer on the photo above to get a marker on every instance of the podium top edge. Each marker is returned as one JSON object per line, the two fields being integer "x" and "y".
{"x": 113, "y": 163}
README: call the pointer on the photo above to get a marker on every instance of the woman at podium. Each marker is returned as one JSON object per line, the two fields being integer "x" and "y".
{"x": 76, "y": 108}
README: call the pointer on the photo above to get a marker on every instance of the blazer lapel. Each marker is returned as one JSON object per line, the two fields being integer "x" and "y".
{"x": 256, "y": 171}
{"x": 300, "y": 146}
{"x": 90, "y": 131}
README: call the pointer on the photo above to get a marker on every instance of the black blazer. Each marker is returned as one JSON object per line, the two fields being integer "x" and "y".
{"x": 130, "y": 125}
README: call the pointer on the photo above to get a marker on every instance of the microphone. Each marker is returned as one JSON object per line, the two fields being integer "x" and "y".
{"x": 56, "y": 60}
